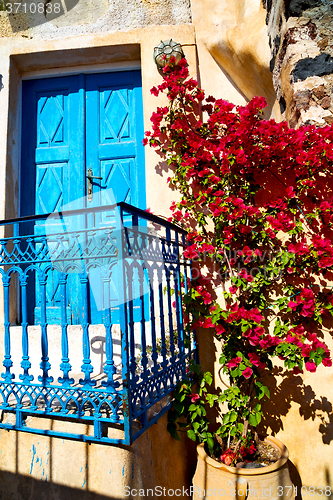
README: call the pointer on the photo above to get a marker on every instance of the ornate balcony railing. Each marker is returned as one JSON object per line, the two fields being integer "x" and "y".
{"x": 92, "y": 322}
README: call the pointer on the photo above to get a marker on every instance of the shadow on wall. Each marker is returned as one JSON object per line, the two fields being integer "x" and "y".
{"x": 293, "y": 390}
{"x": 286, "y": 388}
{"x": 46, "y": 468}
{"x": 34, "y": 12}
{"x": 19, "y": 487}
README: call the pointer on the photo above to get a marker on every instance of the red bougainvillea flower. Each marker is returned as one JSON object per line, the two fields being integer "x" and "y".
{"x": 255, "y": 360}
{"x": 252, "y": 449}
{"x": 310, "y": 366}
{"x": 234, "y": 362}
{"x": 244, "y": 451}
{"x": 247, "y": 372}
{"x": 194, "y": 398}
{"x": 228, "y": 457}
{"x": 219, "y": 330}
{"x": 327, "y": 362}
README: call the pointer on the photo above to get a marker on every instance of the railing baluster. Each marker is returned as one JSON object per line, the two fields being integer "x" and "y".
{"x": 179, "y": 314}
{"x": 154, "y": 355}
{"x": 45, "y": 364}
{"x": 144, "y": 358}
{"x": 7, "y": 362}
{"x": 86, "y": 367}
{"x": 168, "y": 280}
{"x": 132, "y": 360}
{"x": 65, "y": 366}
{"x": 109, "y": 366}
{"x": 127, "y": 410}
{"x": 187, "y": 275}
{"x": 25, "y": 363}
{"x": 162, "y": 319}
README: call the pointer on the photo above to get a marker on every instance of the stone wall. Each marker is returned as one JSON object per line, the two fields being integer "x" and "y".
{"x": 301, "y": 43}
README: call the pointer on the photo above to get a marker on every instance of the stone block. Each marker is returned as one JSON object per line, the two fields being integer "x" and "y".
{"x": 326, "y": 102}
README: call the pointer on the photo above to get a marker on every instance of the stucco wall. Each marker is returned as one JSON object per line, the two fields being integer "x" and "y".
{"x": 38, "y": 467}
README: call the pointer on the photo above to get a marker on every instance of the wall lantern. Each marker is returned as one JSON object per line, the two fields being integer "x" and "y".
{"x": 165, "y": 50}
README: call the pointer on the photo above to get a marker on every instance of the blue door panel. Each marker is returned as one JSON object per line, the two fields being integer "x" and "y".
{"x": 116, "y": 100}
{"x": 115, "y": 153}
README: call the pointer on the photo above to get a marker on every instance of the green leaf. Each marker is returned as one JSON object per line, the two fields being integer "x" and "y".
{"x": 210, "y": 444}
{"x": 191, "y": 434}
{"x": 208, "y": 378}
{"x": 252, "y": 420}
{"x": 172, "y": 429}
{"x": 225, "y": 418}
{"x": 233, "y": 416}
{"x": 179, "y": 407}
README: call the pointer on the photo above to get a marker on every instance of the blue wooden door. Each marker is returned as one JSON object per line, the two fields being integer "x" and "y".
{"x": 71, "y": 124}
{"x": 114, "y": 153}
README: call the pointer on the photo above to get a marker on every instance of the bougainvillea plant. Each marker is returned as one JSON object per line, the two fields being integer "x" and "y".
{"x": 255, "y": 201}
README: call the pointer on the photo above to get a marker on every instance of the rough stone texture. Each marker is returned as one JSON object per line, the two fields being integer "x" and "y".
{"x": 92, "y": 16}
{"x": 301, "y": 41}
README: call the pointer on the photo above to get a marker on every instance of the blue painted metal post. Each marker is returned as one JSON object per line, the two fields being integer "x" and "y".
{"x": 86, "y": 367}
{"x": 45, "y": 364}
{"x": 109, "y": 367}
{"x": 154, "y": 355}
{"x": 162, "y": 325}
{"x": 7, "y": 362}
{"x": 25, "y": 363}
{"x": 179, "y": 308}
{"x": 65, "y": 366}
{"x": 144, "y": 358}
{"x": 129, "y": 287}
{"x": 123, "y": 324}
{"x": 168, "y": 280}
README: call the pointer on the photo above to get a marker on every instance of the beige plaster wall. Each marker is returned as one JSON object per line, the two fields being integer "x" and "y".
{"x": 39, "y": 467}
{"x": 233, "y": 49}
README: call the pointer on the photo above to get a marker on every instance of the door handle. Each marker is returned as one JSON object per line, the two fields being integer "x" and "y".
{"x": 90, "y": 178}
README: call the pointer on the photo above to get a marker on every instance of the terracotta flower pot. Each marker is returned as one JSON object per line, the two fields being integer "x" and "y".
{"x": 213, "y": 479}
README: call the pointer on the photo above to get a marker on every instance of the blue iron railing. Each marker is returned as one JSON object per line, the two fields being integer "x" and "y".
{"x": 92, "y": 321}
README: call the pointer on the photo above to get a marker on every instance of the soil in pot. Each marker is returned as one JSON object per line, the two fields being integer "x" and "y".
{"x": 266, "y": 455}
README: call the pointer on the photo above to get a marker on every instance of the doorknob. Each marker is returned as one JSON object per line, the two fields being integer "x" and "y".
{"x": 90, "y": 178}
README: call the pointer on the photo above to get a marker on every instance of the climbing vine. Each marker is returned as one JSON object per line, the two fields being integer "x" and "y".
{"x": 256, "y": 201}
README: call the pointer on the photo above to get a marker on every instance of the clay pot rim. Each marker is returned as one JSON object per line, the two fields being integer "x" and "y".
{"x": 249, "y": 472}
